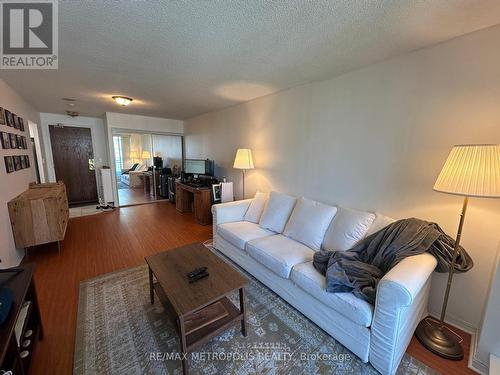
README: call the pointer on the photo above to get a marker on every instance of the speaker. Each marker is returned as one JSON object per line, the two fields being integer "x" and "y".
{"x": 6, "y": 298}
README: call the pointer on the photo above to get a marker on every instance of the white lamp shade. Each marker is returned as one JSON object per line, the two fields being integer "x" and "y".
{"x": 134, "y": 155}
{"x": 471, "y": 170}
{"x": 146, "y": 155}
{"x": 243, "y": 159}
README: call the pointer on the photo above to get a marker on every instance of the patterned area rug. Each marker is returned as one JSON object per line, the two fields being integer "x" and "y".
{"x": 120, "y": 332}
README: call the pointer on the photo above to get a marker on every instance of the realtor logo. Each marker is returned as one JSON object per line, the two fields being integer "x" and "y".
{"x": 29, "y": 34}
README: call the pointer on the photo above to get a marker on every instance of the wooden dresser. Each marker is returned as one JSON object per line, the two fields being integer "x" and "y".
{"x": 39, "y": 215}
{"x": 199, "y": 200}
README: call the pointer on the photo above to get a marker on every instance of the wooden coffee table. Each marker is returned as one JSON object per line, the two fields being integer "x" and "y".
{"x": 188, "y": 303}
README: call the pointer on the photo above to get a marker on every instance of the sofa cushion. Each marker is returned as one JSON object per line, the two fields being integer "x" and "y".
{"x": 256, "y": 207}
{"x": 380, "y": 222}
{"x": 347, "y": 228}
{"x": 279, "y": 253}
{"x": 306, "y": 277}
{"x": 309, "y": 221}
{"x": 277, "y": 211}
{"x": 239, "y": 233}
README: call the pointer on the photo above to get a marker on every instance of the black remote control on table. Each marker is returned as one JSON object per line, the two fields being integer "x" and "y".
{"x": 196, "y": 272}
{"x": 198, "y": 277}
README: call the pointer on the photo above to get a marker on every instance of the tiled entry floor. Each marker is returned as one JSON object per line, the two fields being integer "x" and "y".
{"x": 84, "y": 210}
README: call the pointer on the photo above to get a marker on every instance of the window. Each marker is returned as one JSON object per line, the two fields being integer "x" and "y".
{"x": 117, "y": 143}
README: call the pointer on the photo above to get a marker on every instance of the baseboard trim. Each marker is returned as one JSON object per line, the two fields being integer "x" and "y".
{"x": 474, "y": 363}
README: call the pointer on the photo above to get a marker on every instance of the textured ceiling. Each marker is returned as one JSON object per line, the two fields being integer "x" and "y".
{"x": 179, "y": 59}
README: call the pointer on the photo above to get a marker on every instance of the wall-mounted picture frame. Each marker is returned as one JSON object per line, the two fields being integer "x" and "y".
{"x": 23, "y": 162}
{"x": 17, "y": 162}
{"x": 21, "y": 123}
{"x": 9, "y": 164}
{"x": 216, "y": 192}
{"x": 15, "y": 121}
{"x": 8, "y": 119}
{"x": 13, "y": 141}
{"x": 5, "y": 139}
{"x": 19, "y": 141}
{"x": 3, "y": 121}
{"x": 28, "y": 165}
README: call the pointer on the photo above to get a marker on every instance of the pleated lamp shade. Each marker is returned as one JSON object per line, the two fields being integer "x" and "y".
{"x": 243, "y": 159}
{"x": 471, "y": 170}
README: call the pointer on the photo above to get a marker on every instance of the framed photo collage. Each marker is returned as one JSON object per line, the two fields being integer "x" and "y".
{"x": 11, "y": 141}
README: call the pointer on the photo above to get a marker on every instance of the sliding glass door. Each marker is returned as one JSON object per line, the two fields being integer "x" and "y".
{"x": 144, "y": 162}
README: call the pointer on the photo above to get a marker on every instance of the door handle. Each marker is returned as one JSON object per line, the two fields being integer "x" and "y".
{"x": 91, "y": 165}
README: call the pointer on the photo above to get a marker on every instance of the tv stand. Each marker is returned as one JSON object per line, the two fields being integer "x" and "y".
{"x": 194, "y": 199}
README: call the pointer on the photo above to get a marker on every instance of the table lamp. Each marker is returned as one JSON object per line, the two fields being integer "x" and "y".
{"x": 134, "y": 155}
{"x": 243, "y": 161}
{"x": 146, "y": 156}
{"x": 469, "y": 171}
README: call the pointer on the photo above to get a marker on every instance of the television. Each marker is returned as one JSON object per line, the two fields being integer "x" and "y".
{"x": 199, "y": 166}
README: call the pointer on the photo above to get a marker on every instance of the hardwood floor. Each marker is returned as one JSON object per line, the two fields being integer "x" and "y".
{"x": 444, "y": 366}
{"x": 134, "y": 196}
{"x": 95, "y": 245}
{"x": 111, "y": 241}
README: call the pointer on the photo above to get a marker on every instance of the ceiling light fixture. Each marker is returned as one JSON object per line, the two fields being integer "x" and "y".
{"x": 122, "y": 100}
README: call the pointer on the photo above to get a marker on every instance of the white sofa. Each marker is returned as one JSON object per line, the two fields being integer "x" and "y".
{"x": 281, "y": 260}
{"x": 133, "y": 178}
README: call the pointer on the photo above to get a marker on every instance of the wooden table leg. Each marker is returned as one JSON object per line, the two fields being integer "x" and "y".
{"x": 151, "y": 289}
{"x": 243, "y": 310}
{"x": 183, "y": 346}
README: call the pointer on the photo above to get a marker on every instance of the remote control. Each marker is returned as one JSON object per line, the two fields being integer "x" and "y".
{"x": 196, "y": 272}
{"x": 198, "y": 277}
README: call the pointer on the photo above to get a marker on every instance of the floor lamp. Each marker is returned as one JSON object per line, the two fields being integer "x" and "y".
{"x": 469, "y": 171}
{"x": 243, "y": 161}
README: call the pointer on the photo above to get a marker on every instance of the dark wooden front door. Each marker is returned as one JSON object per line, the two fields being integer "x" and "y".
{"x": 74, "y": 162}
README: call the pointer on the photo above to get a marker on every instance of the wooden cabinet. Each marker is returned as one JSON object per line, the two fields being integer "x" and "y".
{"x": 199, "y": 200}
{"x": 20, "y": 333}
{"x": 39, "y": 215}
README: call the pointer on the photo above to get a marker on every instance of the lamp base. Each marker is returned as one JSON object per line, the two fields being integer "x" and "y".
{"x": 439, "y": 340}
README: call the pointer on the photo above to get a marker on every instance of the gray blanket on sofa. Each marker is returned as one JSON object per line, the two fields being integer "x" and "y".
{"x": 359, "y": 269}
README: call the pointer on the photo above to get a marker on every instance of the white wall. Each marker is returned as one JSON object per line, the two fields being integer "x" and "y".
{"x": 13, "y": 184}
{"x": 98, "y": 133}
{"x": 489, "y": 341}
{"x": 169, "y": 148}
{"x": 144, "y": 123}
{"x": 153, "y": 125}
{"x": 35, "y": 134}
{"x": 376, "y": 139}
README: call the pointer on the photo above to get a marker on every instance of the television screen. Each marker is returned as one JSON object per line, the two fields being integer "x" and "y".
{"x": 194, "y": 166}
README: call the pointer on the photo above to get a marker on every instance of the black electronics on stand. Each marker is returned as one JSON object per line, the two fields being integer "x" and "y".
{"x": 164, "y": 175}
{"x": 158, "y": 162}
{"x": 198, "y": 181}
{"x": 164, "y": 185}
{"x": 171, "y": 188}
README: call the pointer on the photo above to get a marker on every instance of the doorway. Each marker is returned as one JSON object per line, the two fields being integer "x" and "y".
{"x": 35, "y": 161}
{"x": 73, "y": 157}
{"x": 144, "y": 162}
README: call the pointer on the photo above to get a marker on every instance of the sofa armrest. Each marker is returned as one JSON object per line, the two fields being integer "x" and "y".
{"x": 407, "y": 278}
{"x": 230, "y": 211}
{"x": 400, "y": 304}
